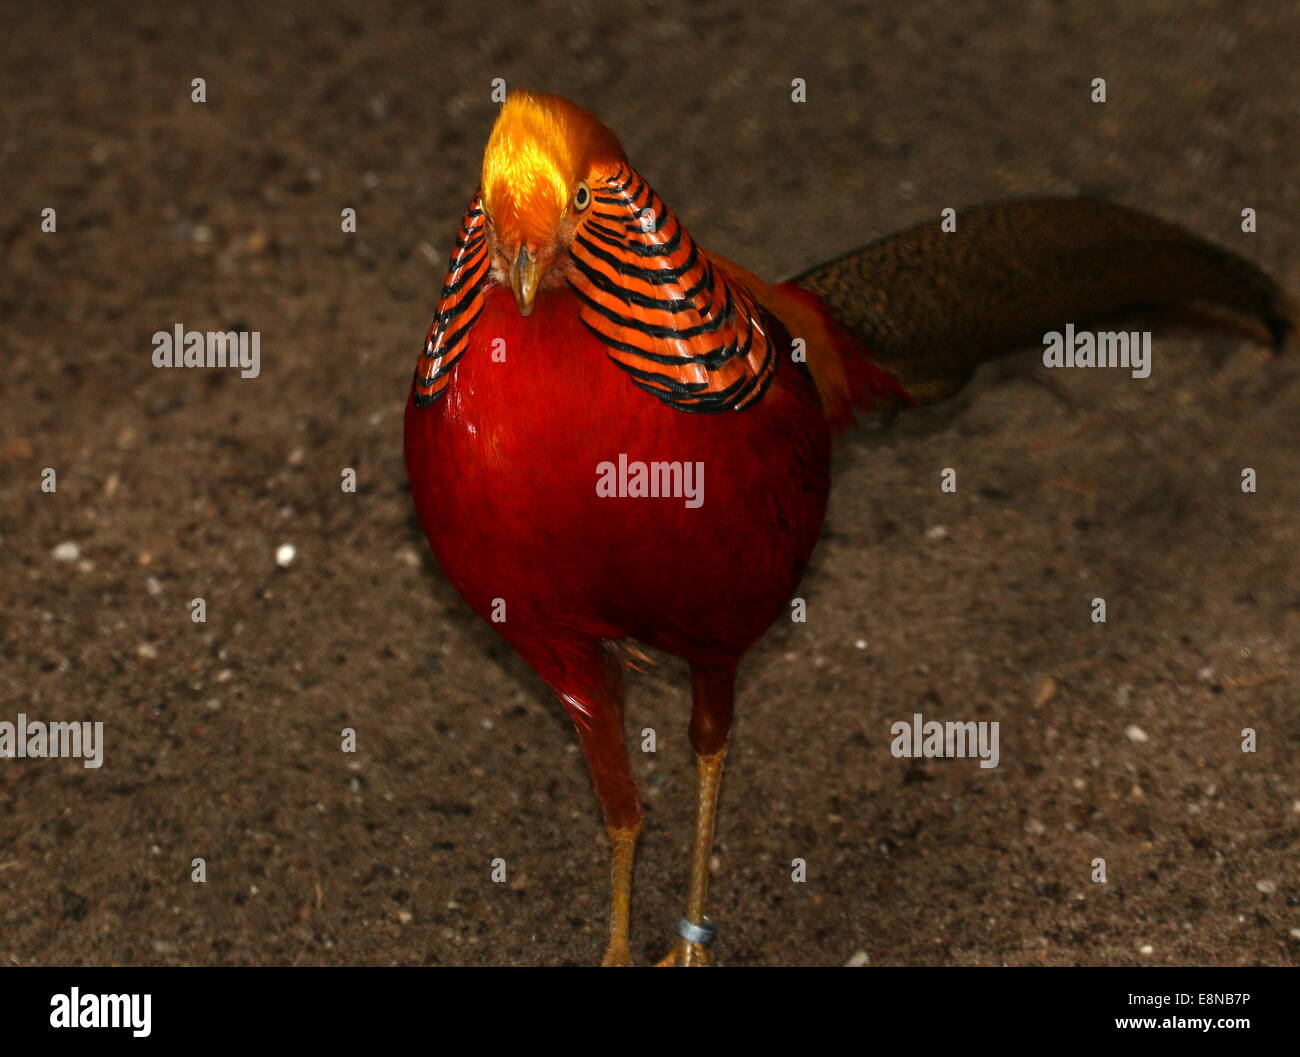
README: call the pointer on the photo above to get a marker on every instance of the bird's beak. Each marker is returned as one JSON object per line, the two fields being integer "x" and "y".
{"x": 525, "y": 274}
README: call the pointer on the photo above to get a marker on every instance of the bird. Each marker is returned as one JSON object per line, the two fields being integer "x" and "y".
{"x": 579, "y": 326}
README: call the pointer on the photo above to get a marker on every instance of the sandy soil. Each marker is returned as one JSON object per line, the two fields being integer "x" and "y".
{"x": 223, "y": 738}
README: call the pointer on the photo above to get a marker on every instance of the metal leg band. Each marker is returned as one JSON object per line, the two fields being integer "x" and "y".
{"x": 693, "y": 933}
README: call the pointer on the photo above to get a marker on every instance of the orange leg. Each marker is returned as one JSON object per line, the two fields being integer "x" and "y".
{"x": 596, "y": 707}
{"x": 714, "y": 702}
{"x": 623, "y": 848}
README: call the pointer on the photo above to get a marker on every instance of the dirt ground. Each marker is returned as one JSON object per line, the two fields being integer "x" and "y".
{"x": 1119, "y": 741}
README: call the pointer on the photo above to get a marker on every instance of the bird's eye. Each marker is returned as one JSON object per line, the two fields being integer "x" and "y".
{"x": 582, "y": 197}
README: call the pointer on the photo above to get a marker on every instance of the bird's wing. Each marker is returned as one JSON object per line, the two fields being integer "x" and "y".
{"x": 684, "y": 329}
{"x": 459, "y": 306}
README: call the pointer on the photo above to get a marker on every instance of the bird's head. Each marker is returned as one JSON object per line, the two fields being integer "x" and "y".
{"x": 542, "y": 161}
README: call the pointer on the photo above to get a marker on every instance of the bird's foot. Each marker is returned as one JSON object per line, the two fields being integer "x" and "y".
{"x": 618, "y": 955}
{"x": 684, "y": 953}
{"x": 690, "y": 950}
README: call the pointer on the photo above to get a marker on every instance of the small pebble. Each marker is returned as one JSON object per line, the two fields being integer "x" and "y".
{"x": 67, "y": 551}
{"x": 1137, "y": 734}
{"x": 1267, "y": 887}
{"x": 858, "y": 960}
{"x": 285, "y": 554}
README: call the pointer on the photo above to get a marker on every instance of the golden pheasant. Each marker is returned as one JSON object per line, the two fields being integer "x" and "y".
{"x": 614, "y": 434}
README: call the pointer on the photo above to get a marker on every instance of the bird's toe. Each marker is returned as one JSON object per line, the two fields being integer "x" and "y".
{"x": 684, "y": 953}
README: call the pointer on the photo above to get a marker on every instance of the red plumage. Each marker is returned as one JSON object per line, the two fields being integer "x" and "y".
{"x": 504, "y": 471}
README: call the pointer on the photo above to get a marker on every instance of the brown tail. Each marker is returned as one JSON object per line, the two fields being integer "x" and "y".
{"x": 930, "y": 306}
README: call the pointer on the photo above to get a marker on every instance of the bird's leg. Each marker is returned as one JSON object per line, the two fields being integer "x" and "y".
{"x": 597, "y": 713}
{"x": 622, "y": 850}
{"x": 713, "y": 689}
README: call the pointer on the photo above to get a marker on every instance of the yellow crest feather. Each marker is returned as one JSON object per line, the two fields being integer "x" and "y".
{"x": 540, "y": 148}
